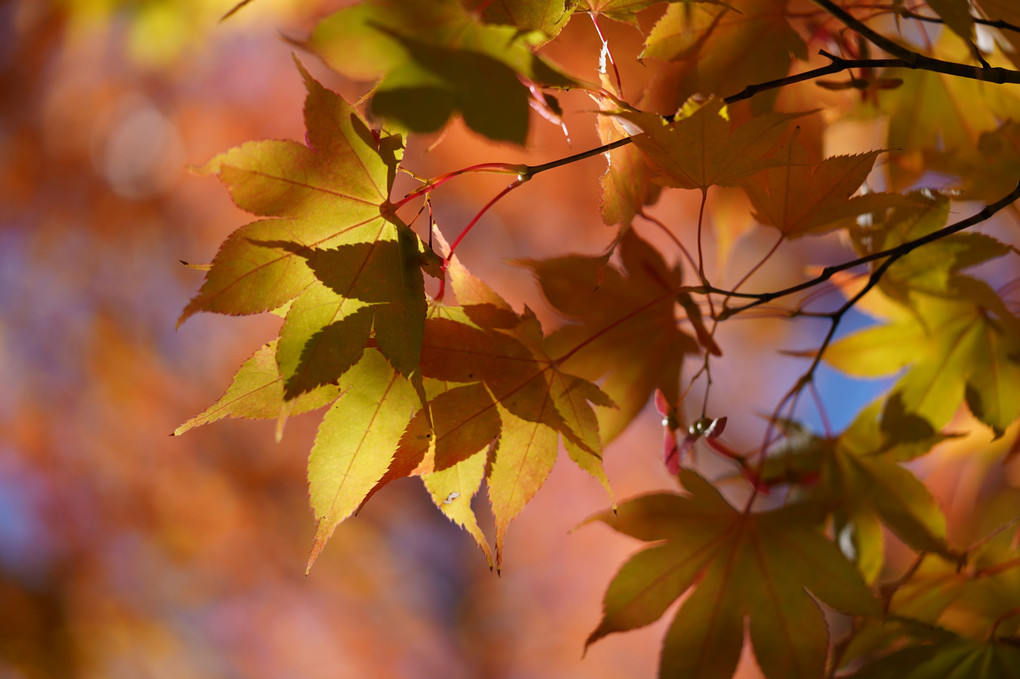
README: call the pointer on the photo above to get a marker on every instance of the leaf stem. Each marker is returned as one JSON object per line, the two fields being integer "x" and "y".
{"x": 485, "y": 208}
{"x": 701, "y": 219}
{"x": 464, "y": 232}
{"x": 435, "y": 182}
{"x": 910, "y": 14}
{"x": 683, "y": 250}
{"x": 531, "y": 171}
{"x": 761, "y": 262}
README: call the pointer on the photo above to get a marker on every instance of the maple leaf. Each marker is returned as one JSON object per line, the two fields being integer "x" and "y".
{"x": 935, "y": 268}
{"x": 956, "y": 334}
{"x": 436, "y": 59}
{"x": 727, "y": 47}
{"x": 490, "y": 388}
{"x": 627, "y": 10}
{"x": 256, "y": 392}
{"x": 931, "y": 115}
{"x": 356, "y": 442}
{"x": 800, "y": 197}
{"x": 360, "y": 288}
{"x": 625, "y": 325}
{"x": 703, "y": 149}
{"x": 327, "y": 193}
{"x": 994, "y": 174}
{"x": 955, "y": 349}
{"x": 955, "y": 613}
{"x": 1007, "y": 11}
{"x": 739, "y": 565}
{"x": 627, "y": 185}
{"x": 546, "y": 16}
{"x": 452, "y": 489}
{"x": 956, "y": 15}
{"x": 967, "y": 598}
{"x": 522, "y": 406}
{"x": 950, "y": 658}
{"x": 856, "y": 476}
{"x": 336, "y": 245}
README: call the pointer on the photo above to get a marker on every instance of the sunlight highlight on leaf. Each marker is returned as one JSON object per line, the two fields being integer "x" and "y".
{"x": 356, "y": 441}
{"x": 704, "y": 149}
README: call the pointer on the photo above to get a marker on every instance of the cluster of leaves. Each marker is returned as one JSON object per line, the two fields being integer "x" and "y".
{"x": 460, "y": 388}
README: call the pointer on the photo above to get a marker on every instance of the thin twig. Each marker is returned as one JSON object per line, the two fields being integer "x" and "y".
{"x": 910, "y": 14}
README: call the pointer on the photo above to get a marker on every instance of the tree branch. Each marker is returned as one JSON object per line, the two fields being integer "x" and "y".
{"x": 892, "y": 254}
{"x": 920, "y": 62}
{"x": 915, "y": 60}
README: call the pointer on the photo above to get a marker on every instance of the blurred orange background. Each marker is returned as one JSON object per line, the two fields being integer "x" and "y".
{"x": 125, "y": 552}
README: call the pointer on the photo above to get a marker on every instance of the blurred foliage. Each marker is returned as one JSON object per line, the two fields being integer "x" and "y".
{"x": 127, "y": 553}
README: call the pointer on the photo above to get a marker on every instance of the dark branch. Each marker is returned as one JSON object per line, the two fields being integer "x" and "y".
{"x": 918, "y": 61}
{"x": 892, "y": 254}
{"x": 996, "y": 75}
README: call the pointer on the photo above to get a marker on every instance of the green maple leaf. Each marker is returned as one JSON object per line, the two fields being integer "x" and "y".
{"x": 627, "y": 10}
{"x": 624, "y": 325}
{"x": 335, "y": 245}
{"x": 953, "y": 331}
{"x": 955, "y": 349}
{"x": 434, "y": 59}
{"x": 933, "y": 269}
{"x": 957, "y": 658}
{"x": 547, "y": 16}
{"x": 727, "y": 46}
{"x": 257, "y": 392}
{"x": 931, "y": 115}
{"x": 861, "y": 476}
{"x": 356, "y": 442}
{"x": 703, "y": 149}
{"x": 739, "y": 565}
{"x": 489, "y": 387}
{"x": 950, "y": 618}
{"x": 527, "y": 394}
{"x": 856, "y": 476}
{"x": 360, "y": 288}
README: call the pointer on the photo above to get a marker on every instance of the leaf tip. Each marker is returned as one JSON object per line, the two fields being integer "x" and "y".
{"x": 187, "y": 426}
{"x": 211, "y": 167}
{"x": 597, "y": 634}
{"x": 317, "y": 546}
